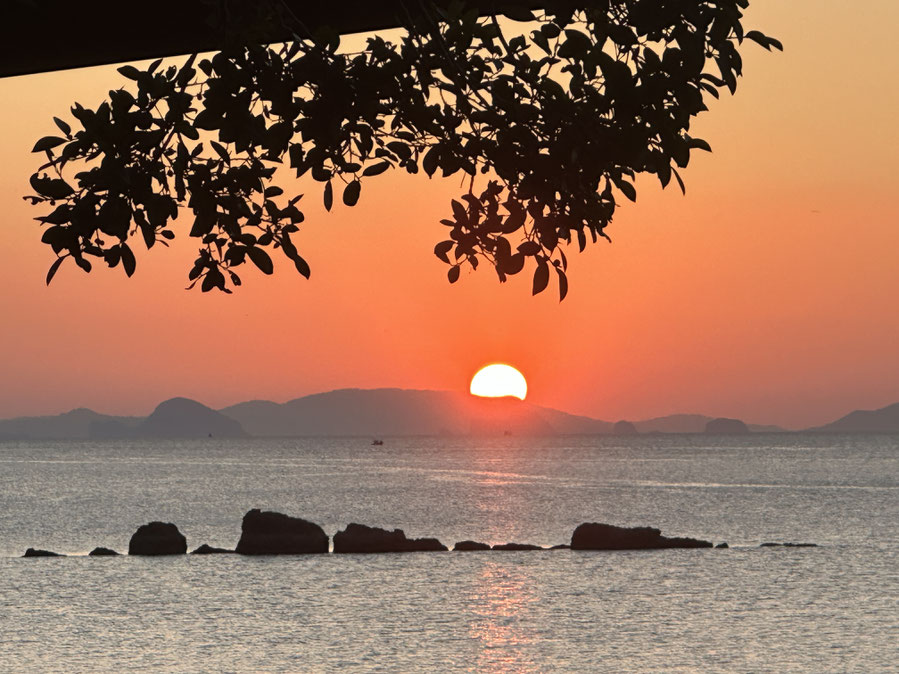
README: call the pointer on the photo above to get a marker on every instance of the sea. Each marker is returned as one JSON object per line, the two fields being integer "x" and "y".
{"x": 830, "y": 608}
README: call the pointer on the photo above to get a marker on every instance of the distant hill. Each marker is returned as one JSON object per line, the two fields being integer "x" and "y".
{"x": 79, "y": 424}
{"x": 624, "y": 428}
{"x": 185, "y": 418}
{"x": 691, "y": 423}
{"x": 884, "y": 420}
{"x": 175, "y": 418}
{"x": 391, "y": 411}
{"x": 724, "y": 426}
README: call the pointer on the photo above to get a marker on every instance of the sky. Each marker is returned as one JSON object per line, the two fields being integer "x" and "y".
{"x": 767, "y": 293}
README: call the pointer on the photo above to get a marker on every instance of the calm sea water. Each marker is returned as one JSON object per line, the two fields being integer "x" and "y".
{"x": 834, "y": 608}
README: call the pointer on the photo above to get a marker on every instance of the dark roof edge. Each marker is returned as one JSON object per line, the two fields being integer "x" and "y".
{"x": 49, "y": 35}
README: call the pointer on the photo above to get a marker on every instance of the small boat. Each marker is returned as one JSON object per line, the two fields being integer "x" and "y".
{"x": 377, "y": 443}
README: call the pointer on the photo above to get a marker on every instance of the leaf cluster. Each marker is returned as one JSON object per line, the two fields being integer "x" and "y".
{"x": 555, "y": 113}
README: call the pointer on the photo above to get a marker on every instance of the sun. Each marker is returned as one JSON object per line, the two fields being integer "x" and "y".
{"x": 499, "y": 380}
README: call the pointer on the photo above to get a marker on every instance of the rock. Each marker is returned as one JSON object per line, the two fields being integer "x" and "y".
{"x": 424, "y": 545}
{"x": 562, "y": 546}
{"x": 31, "y": 552}
{"x": 470, "y": 546}
{"x": 722, "y": 546}
{"x": 364, "y": 539}
{"x": 271, "y": 533}
{"x": 788, "y": 545}
{"x": 102, "y": 552}
{"x": 516, "y": 546}
{"x": 594, "y": 536}
{"x": 157, "y": 538}
{"x": 724, "y": 426}
{"x": 209, "y": 550}
{"x": 624, "y": 428}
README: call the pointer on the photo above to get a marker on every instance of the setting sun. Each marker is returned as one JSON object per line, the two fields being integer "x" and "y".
{"x": 499, "y": 380}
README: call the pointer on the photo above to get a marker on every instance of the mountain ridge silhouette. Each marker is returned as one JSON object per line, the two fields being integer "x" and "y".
{"x": 382, "y": 412}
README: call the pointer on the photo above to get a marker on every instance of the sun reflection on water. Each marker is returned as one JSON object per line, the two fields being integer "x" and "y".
{"x": 501, "y": 602}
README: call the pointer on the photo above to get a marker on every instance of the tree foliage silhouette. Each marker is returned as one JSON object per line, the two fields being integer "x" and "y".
{"x": 548, "y": 121}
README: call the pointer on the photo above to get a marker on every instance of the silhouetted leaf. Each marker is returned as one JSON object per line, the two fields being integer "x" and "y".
{"x": 529, "y": 248}
{"x": 764, "y": 40}
{"x": 680, "y": 181}
{"x": 541, "y": 277}
{"x": 130, "y": 72}
{"x": 261, "y": 259}
{"x": 700, "y": 144}
{"x": 563, "y": 284}
{"x": 329, "y": 196}
{"x": 221, "y": 151}
{"x": 47, "y": 143}
{"x": 213, "y": 279}
{"x": 302, "y": 267}
{"x": 576, "y": 45}
{"x": 514, "y": 264}
{"x": 517, "y": 12}
{"x": 63, "y": 126}
{"x": 429, "y": 163}
{"x": 453, "y": 274}
{"x": 376, "y": 169}
{"x": 54, "y": 268}
{"x": 541, "y": 41}
{"x": 514, "y": 222}
{"x": 128, "y": 261}
{"x": 351, "y": 193}
{"x": 459, "y": 212}
{"x": 442, "y": 248}
{"x": 628, "y": 190}
{"x": 53, "y": 188}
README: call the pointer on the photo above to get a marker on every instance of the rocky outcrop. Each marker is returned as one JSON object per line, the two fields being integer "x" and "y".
{"x": 624, "y": 428}
{"x": 102, "y": 552}
{"x": 271, "y": 533}
{"x": 594, "y": 536}
{"x": 788, "y": 545}
{"x": 359, "y": 538}
{"x": 209, "y": 550}
{"x": 724, "y": 426}
{"x": 424, "y": 545}
{"x": 32, "y": 552}
{"x": 722, "y": 546}
{"x": 157, "y": 538}
{"x": 561, "y": 546}
{"x": 514, "y": 547}
{"x": 470, "y": 546}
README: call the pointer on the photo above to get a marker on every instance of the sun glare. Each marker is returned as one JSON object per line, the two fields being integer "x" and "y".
{"x": 498, "y": 380}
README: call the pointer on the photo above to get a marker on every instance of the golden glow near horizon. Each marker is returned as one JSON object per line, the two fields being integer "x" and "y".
{"x": 499, "y": 380}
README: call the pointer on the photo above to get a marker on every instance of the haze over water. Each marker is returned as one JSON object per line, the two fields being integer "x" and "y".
{"x": 831, "y": 608}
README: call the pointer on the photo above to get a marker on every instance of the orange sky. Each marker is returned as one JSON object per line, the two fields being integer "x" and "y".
{"x": 767, "y": 293}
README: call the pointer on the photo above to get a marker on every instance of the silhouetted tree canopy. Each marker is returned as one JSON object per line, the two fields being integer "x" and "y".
{"x": 548, "y": 121}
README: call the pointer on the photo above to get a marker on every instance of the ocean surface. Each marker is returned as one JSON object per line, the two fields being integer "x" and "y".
{"x": 833, "y": 608}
